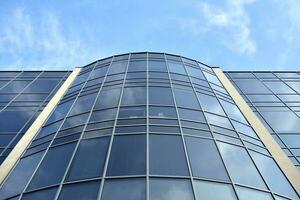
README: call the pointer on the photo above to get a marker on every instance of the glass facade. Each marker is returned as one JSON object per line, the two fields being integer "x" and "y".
{"x": 23, "y": 95}
{"x": 275, "y": 98}
{"x": 147, "y": 126}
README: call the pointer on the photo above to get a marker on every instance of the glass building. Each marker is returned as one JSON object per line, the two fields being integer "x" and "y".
{"x": 156, "y": 126}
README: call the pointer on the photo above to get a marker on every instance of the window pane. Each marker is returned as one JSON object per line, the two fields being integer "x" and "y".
{"x": 83, "y": 104}
{"x": 128, "y": 156}
{"x": 117, "y": 67}
{"x": 233, "y": 112}
{"x": 166, "y": 189}
{"x": 210, "y": 104}
{"x": 176, "y": 67}
{"x": 103, "y": 115}
{"x": 89, "y": 159}
{"x": 140, "y": 65}
{"x": 194, "y": 115}
{"x": 134, "y": 95}
{"x": 13, "y": 121}
{"x": 247, "y": 193}
{"x": 154, "y": 65}
{"x": 99, "y": 72}
{"x": 205, "y": 159}
{"x": 186, "y": 98}
{"x": 273, "y": 175}
{"x": 192, "y": 71}
{"x": 46, "y": 194}
{"x": 211, "y": 78}
{"x": 20, "y": 175}
{"x": 218, "y": 120}
{"x": 240, "y": 166}
{"x": 132, "y": 112}
{"x": 167, "y": 155}
{"x": 108, "y": 98}
{"x": 14, "y": 87}
{"x": 160, "y": 111}
{"x": 41, "y": 86}
{"x": 125, "y": 189}
{"x": 160, "y": 95}
{"x": 279, "y": 87}
{"x": 86, "y": 190}
{"x": 252, "y": 86}
{"x": 53, "y": 166}
{"x": 214, "y": 191}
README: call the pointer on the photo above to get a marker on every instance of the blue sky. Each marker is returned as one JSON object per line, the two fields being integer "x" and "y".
{"x": 233, "y": 34}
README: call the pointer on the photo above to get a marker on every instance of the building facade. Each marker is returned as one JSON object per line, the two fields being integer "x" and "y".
{"x": 157, "y": 126}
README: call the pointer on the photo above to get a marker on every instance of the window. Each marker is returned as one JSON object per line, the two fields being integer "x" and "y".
{"x": 167, "y": 155}
{"x": 83, "y": 104}
{"x": 194, "y": 115}
{"x": 273, "y": 175}
{"x": 252, "y": 86}
{"x": 117, "y": 67}
{"x": 240, "y": 166}
{"x": 53, "y": 167}
{"x": 46, "y": 194}
{"x": 212, "y": 78}
{"x": 132, "y": 112}
{"x": 160, "y": 111}
{"x": 277, "y": 119}
{"x": 176, "y": 67}
{"x": 210, "y": 104}
{"x": 86, "y": 190}
{"x": 186, "y": 98}
{"x": 192, "y": 71}
{"x": 89, "y": 159}
{"x": 75, "y": 121}
{"x": 133, "y": 189}
{"x": 218, "y": 120}
{"x": 233, "y": 111}
{"x": 213, "y": 190}
{"x": 108, "y": 98}
{"x": 247, "y": 193}
{"x": 41, "y": 86}
{"x": 205, "y": 159}
{"x": 242, "y": 128}
{"x": 99, "y": 72}
{"x": 157, "y": 65}
{"x": 137, "y": 65}
{"x": 60, "y": 112}
{"x": 279, "y": 87}
{"x": 13, "y": 121}
{"x": 134, "y": 95}
{"x": 128, "y": 156}
{"x": 20, "y": 175}
{"x": 14, "y": 87}
{"x": 166, "y": 189}
{"x": 160, "y": 95}
{"x": 101, "y": 115}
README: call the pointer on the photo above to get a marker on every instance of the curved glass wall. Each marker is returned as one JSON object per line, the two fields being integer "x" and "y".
{"x": 147, "y": 126}
{"x": 275, "y": 98}
{"x": 23, "y": 95}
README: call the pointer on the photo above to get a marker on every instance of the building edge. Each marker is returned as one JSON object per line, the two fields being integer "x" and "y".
{"x": 285, "y": 164}
{"x": 14, "y": 156}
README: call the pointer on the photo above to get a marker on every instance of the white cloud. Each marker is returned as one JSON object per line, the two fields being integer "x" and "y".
{"x": 231, "y": 23}
{"x": 42, "y": 42}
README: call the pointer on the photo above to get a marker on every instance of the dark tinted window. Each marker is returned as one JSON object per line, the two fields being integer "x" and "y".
{"x": 131, "y": 189}
{"x": 87, "y": 190}
{"x": 20, "y": 176}
{"x": 46, "y": 194}
{"x": 167, "y": 189}
{"x": 128, "y": 156}
{"x": 160, "y": 95}
{"x": 108, "y": 98}
{"x": 89, "y": 159}
{"x": 83, "y": 104}
{"x": 134, "y": 95}
{"x": 160, "y": 111}
{"x": 53, "y": 166}
{"x": 140, "y": 65}
{"x": 186, "y": 98}
{"x": 205, "y": 159}
{"x": 154, "y": 65}
{"x": 167, "y": 155}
